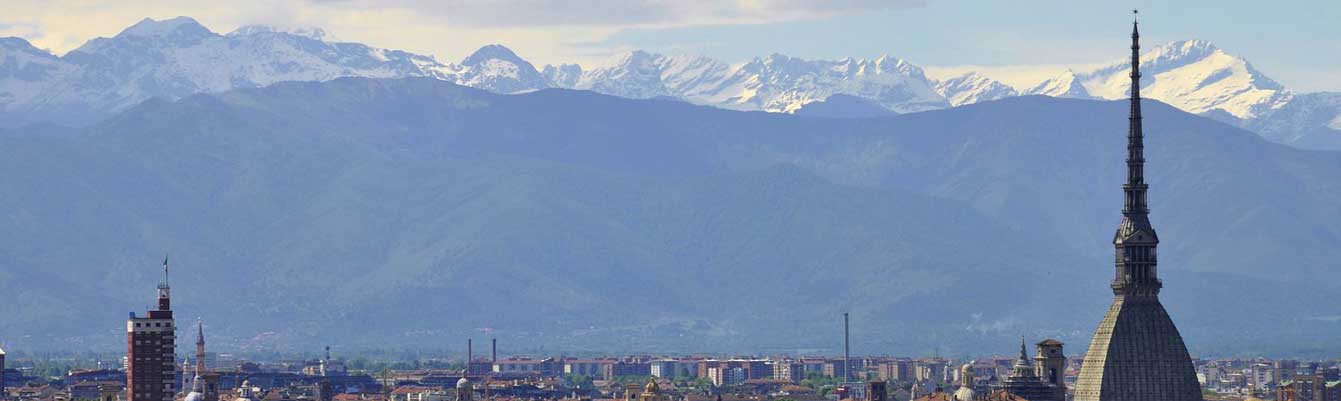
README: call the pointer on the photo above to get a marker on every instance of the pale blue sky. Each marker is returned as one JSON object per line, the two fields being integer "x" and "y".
{"x": 1296, "y": 42}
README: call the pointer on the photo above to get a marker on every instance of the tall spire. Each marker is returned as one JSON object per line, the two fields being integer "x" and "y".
{"x": 1135, "y": 239}
{"x": 1136, "y": 353}
{"x": 200, "y": 346}
{"x": 1135, "y": 188}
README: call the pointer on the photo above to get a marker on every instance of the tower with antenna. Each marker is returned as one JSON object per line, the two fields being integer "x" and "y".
{"x": 151, "y": 350}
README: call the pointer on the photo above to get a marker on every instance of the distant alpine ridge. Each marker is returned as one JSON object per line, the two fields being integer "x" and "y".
{"x": 177, "y": 57}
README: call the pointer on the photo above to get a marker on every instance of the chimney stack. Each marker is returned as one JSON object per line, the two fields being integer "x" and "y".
{"x": 847, "y": 358}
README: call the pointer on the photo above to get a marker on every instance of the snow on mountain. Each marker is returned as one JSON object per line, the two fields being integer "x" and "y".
{"x": 973, "y": 88}
{"x": 844, "y": 106}
{"x": 642, "y": 75}
{"x": 635, "y": 74}
{"x": 781, "y": 83}
{"x": 177, "y": 57}
{"x": 1310, "y": 121}
{"x": 562, "y": 75}
{"x": 1193, "y": 75}
{"x": 775, "y": 83}
{"x": 1065, "y": 84}
{"x": 25, "y": 71}
{"x": 692, "y": 77}
{"x": 496, "y": 68}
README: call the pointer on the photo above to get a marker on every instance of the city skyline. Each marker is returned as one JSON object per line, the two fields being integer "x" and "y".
{"x": 664, "y": 228}
{"x": 376, "y": 200}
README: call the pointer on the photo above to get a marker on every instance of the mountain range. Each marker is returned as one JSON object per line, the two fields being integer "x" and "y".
{"x": 316, "y": 192}
{"x": 395, "y": 213}
{"x": 174, "y": 58}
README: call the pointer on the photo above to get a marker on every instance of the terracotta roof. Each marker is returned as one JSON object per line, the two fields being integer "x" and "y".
{"x": 936, "y": 396}
{"x": 1002, "y": 395}
{"x": 410, "y": 390}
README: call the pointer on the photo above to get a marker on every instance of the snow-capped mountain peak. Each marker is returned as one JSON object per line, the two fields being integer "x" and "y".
{"x": 499, "y": 69}
{"x": 167, "y": 27}
{"x": 1065, "y": 84}
{"x": 312, "y": 33}
{"x": 973, "y": 87}
{"x": 1178, "y": 51}
{"x": 635, "y": 74}
{"x": 1193, "y": 75}
{"x": 492, "y": 52}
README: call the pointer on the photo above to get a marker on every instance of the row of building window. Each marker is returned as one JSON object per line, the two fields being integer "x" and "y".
{"x": 156, "y": 324}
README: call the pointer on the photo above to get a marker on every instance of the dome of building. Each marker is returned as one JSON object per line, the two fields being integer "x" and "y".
{"x": 463, "y": 383}
{"x": 195, "y": 394}
{"x": 964, "y": 394}
{"x": 244, "y": 392}
{"x": 965, "y": 391}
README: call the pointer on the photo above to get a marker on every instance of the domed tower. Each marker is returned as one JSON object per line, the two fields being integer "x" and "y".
{"x": 197, "y": 392}
{"x": 651, "y": 392}
{"x": 245, "y": 392}
{"x": 1136, "y": 354}
{"x": 965, "y": 391}
{"x": 465, "y": 391}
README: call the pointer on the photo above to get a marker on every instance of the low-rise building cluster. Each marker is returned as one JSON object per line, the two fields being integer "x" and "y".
{"x": 1046, "y": 375}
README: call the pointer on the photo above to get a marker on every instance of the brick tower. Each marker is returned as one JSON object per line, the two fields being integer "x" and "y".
{"x": 151, "y": 350}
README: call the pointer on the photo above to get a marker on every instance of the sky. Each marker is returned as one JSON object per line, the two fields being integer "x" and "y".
{"x": 1298, "y": 43}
